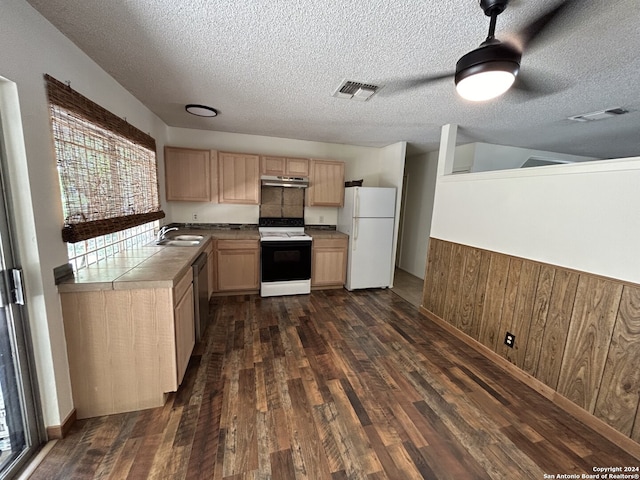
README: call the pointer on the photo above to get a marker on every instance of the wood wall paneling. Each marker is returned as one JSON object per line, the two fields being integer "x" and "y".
{"x": 539, "y": 318}
{"x": 468, "y": 289}
{"x": 577, "y": 333}
{"x": 522, "y": 312}
{"x": 619, "y": 395}
{"x": 592, "y": 322}
{"x": 494, "y": 300}
{"x": 483, "y": 274}
{"x": 507, "y": 318}
{"x": 443, "y": 258}
{"x": 452, "y": 295}
{"x": 430, "y": 274}
{"x": 557, "y": 326}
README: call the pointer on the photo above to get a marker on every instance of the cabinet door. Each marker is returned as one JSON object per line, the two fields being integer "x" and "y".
{"x": 297, "y": 167}
{"x": 187, "y": 174}
{"x": 272, "y": 165}
{"x": 185, "y": 331}
{"x": 293, "y": 167}
{"x": 329, "y": 262}
{"x": 239, "y": 178}
{"x": 238, "y": 265}
{"x": 326, "y": 184}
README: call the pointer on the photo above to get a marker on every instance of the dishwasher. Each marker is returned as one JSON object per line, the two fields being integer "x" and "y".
{"x": 201, "y": 295}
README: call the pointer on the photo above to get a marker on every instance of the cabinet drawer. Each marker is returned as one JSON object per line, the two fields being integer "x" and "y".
{"x": 182, "y": 286}
{"x": 329, "y": 243}
{"x": 237, "y": 244}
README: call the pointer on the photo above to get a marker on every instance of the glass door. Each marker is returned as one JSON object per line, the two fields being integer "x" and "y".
{"x": 20, "y": 431}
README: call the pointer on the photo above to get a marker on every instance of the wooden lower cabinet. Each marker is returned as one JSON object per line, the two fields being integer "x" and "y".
{"x": 127, "y": 348}
{"x": 238, "y": 266}
{"x": 328, "y": 262}
{"x": 185, "y": 327}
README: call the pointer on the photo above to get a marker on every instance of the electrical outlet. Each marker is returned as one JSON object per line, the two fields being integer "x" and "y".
{"x": 321, "y": 218}
{"x": 509, "y": 339}
{"x": 194, "y": 216}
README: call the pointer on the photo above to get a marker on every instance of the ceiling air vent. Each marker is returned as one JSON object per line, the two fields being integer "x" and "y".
{"x": 601, "y": 115}
{"x": 355, "y": 90}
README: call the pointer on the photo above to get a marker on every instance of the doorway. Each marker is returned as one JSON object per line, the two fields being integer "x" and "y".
{"x": 21, "y": 432}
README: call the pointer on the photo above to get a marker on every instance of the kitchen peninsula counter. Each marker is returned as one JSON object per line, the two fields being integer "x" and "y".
{"x": 149, "y": 266}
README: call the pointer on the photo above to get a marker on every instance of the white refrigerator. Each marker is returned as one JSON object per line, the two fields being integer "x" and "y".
{"x": 368, "y": 218}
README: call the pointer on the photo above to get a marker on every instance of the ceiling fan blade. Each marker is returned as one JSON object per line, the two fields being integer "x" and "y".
{"x": 399, "y": 86}
{"x": 535, "y": 30}
{"x": 530, "y": 85}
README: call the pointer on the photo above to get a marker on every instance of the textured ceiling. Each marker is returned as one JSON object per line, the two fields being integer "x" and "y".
{"x": 271, "y": 66}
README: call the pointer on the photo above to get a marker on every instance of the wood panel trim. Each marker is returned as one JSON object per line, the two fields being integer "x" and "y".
{"x": 58, "y": 432}
{"x": 544, "y": 264}
{"x": 604, "y": 429}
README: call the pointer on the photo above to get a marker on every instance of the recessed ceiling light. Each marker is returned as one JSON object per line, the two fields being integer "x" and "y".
{"x": 201, "y": 110}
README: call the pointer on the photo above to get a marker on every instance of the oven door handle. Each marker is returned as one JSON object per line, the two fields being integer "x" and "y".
{"x": 285, "y": 243}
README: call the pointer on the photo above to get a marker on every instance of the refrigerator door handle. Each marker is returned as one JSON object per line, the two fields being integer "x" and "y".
{"x": 355, "y": 233}
{"x": 357, "y": 209}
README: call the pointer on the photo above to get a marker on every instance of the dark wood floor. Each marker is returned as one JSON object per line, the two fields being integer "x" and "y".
{"x": 334, "y": 385}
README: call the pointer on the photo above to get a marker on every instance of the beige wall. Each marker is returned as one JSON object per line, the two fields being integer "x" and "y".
{"x": 31, "y": 46}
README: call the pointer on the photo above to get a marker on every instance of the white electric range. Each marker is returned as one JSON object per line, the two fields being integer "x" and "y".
{"x": 285, "y": 257}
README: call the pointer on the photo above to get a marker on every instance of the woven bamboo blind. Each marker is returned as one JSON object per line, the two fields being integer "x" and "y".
{"x": 107, "y": 168}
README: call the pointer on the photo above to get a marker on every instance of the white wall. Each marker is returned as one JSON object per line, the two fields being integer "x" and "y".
{"x": 360, "y": 162}
{"x": 31, "y": 46}
{"x": 484, "y": 157}
{"x": 420, "y": 171}
{"x": 581, "y": 215}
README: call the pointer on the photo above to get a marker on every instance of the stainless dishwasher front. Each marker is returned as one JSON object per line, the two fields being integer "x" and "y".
{"x": 201, "y": 294}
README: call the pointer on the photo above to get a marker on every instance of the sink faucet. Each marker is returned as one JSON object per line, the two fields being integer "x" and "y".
{"x": 163, "y": 231}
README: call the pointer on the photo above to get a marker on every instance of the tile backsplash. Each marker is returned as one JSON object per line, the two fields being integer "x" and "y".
{"x": 282, "y": 202}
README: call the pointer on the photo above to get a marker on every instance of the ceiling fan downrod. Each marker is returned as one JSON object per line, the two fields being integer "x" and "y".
{"x": 493, "y": 8}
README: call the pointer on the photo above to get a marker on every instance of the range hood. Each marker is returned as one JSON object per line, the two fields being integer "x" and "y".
{"x": 283, "y": 181}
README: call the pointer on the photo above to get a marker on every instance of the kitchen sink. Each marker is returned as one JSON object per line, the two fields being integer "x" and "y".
{"x": 179, "y": 243}
{"x": 187, "y": 237}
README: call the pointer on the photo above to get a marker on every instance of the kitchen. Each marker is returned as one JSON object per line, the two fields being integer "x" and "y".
{"x": 34, "y": 176}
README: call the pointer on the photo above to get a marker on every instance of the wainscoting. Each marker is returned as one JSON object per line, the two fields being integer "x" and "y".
{"x": 575, "y": 332}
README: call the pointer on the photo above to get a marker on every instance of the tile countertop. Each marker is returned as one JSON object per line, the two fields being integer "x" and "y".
{"x": 322, "y": 233}
{"x": 156, "y": 266}
{"x": 149, "y": 266}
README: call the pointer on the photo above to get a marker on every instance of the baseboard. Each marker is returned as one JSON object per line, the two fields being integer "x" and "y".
{"x": 604, "y": 429}
{"x": 56, "y": 432}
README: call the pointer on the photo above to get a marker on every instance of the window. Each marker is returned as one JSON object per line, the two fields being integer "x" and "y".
{"x": 107, "y": 168}
{"x": 94, "y": 250}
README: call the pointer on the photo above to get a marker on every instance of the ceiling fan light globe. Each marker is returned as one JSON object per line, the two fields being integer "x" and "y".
{"x": 485, "y": 85}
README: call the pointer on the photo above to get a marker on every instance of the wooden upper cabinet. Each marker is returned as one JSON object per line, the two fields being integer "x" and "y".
{"x": 190, "y": 174}
{"x": 187, "y": 174}
{"x": 294, "y": 167}
{"x": 326, "y": 183}
{"x": 238, "y": 178}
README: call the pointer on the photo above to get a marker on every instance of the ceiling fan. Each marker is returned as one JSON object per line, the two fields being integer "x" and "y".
{"x": 491, "y": 69}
